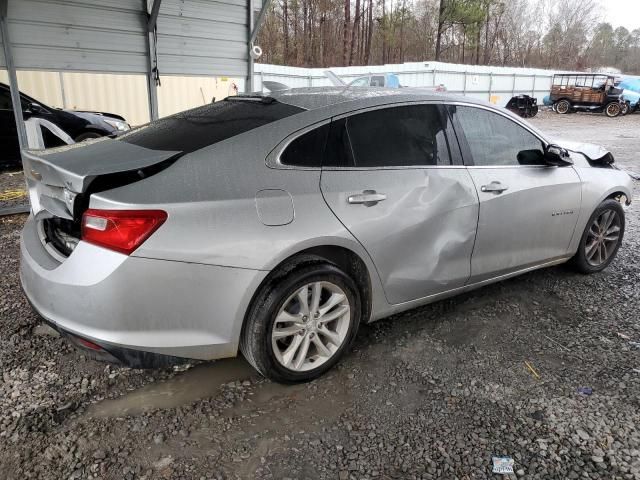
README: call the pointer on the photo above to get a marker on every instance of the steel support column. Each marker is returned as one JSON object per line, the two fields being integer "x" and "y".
{"x": 13, "y": 78}
{"x": 152, "y": 72}
{"x": 253, "y": 34}
{"x": 249, "y": 83}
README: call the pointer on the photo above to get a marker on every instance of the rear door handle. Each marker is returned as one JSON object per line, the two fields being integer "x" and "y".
{"x": 368, "y": 198}
{"x": 494, "y": 187}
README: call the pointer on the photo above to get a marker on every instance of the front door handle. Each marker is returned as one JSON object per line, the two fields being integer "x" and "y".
{"x": 368, "y": 198}
{"x": 494, "y": 187}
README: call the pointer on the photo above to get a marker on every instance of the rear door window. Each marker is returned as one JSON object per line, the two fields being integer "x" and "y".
{"x": 412, "y": 135}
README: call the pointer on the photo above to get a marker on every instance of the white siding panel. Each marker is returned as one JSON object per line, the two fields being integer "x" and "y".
{"x": 125, "y": 95}
{"x": 181, "y": 93}
{"x": 42, "y": 86}
{"x": 488, "y": 83}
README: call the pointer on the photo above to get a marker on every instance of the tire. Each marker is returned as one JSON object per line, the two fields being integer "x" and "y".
{"x": 277, "y": 300}
{"x": 563, "y": 107}
{"x": 612, "y": 109}
{"x": 586, "y": 260}
{"x": 87, "y": 136}
{"x": 625, "y": 109}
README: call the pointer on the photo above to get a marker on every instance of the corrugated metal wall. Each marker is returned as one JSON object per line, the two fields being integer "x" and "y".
{"x": 195, "y": 37}
{"x": 83, "y": 35}
{"x": 495, "y": 84}
{"x": 201, "y": 37}
{"x": 125, "y": 95}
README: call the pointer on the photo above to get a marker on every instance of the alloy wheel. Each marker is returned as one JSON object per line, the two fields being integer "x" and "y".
{"x": 311, "y": 326}
{"x": 602, "y": 238}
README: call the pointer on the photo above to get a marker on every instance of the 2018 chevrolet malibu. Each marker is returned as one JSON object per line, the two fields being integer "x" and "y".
{"x": 277, "y": 224}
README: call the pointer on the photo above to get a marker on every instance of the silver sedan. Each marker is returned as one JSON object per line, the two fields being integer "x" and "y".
{"x": 275, "y": 225}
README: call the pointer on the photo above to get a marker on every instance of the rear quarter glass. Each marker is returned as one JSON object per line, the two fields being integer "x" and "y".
{"x": 204, "y": 126}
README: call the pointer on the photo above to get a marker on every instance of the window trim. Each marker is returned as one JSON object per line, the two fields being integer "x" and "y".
{"x": 461, "y": 156}
{"x": 464, "y": 145}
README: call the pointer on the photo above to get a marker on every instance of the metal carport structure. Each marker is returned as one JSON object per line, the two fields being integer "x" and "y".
{"x": 150, "y": 37}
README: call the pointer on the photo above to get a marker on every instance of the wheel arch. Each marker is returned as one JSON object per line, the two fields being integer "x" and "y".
{"x": 591, "y": 200}
{"x": 617, "y": 195}
{"x": 341, "y": 256}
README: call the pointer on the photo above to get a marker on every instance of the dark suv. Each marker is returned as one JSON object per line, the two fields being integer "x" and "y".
{"x": 78, "y": 125}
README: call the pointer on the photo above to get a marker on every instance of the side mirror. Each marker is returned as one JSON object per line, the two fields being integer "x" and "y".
{"x": 35, "y": 109}
{"x": 557, "y": 156}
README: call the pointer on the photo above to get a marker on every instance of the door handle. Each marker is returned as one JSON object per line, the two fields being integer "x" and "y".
{"x": 368, "y": 198}
{"x": 494, "y": 187}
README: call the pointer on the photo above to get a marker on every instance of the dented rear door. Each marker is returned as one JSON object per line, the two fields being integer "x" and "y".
{"x": 392, "y": 179}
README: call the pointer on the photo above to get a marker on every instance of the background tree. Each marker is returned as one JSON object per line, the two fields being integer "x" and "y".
{"x": 561, "y": 34}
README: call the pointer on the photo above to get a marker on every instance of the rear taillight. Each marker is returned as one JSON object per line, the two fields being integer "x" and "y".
{"x": 120, "y": 230}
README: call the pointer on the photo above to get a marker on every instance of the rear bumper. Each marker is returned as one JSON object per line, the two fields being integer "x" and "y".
{"x": 118, "y": 355}
{"x": 129, "y": 304}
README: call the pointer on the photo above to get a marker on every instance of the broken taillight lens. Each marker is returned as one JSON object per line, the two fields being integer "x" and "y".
{"x": 120, "y": 230}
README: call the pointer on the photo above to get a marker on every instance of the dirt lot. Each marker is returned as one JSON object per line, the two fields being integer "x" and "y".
{"x": 433, "y": 393}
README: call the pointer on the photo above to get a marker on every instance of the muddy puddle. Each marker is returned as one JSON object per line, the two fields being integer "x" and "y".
{"x": 201, "y": 381}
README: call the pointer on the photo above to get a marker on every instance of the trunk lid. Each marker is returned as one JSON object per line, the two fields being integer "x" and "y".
{"x": 57, "y": 176}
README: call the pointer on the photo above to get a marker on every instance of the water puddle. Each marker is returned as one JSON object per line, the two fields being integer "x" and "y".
{"x": 202, "y": 381}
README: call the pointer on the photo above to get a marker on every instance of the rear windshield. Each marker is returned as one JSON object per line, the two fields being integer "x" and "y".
{"x": 203, "y": 126}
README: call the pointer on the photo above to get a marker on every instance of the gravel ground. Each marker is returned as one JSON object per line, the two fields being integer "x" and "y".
{"x": 432, "y": 393}
{"x": 12, "y": 188}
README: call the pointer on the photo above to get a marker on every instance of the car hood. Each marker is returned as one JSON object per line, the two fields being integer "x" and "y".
{"x": 95, "y": 117}
{"x": 593, "y": 153}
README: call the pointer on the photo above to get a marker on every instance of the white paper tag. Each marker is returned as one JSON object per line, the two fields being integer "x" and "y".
{"x": 502, "y": 465}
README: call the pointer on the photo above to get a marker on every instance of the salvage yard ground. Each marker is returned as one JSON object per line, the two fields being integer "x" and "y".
{"x": 432, "y": 393}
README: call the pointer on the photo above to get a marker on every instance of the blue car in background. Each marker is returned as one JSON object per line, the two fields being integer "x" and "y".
{"x": 388, "y": 80}
{"x": 631, "y": 93}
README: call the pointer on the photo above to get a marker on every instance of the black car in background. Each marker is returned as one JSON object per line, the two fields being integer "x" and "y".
{"x": 78, "y": 125}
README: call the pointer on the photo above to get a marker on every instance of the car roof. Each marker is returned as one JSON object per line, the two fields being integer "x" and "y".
{"x": 314, "y": 98}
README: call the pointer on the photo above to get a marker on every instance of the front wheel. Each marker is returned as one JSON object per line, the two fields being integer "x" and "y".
{"x": 87, "y": 136}
{"x": 601, "y": 239}
{"x": 612, "y": 109}
{"x": 301, "y": 324}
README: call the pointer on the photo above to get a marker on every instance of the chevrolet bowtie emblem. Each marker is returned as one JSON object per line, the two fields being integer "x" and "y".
{"x": 35, "y": 175}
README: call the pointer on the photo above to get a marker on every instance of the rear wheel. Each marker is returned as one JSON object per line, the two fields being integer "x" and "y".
{"x": 87, "y": 136}
{"x": 601, "y": 238}
{"x": 612, "y": 109}
{"x": 301, "y": 324}
{"x": 625, "y": 109}
{"x": 563, "y": 106}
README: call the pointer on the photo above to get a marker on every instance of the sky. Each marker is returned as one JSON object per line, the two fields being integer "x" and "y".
{"x": 622, "y": 13}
